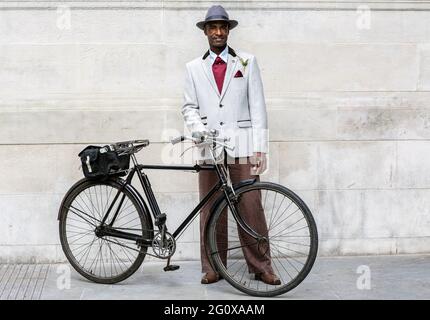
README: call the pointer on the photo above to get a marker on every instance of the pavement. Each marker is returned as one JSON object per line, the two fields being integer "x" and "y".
{"x": 402, "y": 277}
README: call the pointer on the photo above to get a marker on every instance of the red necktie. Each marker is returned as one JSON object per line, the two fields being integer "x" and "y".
{"x": 218, "y": 68}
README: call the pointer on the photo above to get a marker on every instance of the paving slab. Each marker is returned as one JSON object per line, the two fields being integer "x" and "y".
{"x": 348, "y": 277}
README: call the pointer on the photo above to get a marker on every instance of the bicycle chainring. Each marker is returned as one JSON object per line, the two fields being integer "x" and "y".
{"x": 164, "y": 249}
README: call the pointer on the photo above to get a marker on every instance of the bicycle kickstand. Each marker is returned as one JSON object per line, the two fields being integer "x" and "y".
{"x": 170, "y": 267}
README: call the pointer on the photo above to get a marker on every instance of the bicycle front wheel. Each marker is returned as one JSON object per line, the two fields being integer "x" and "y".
{"x": 102, "y": 259}
{"x": 289, "y": 250}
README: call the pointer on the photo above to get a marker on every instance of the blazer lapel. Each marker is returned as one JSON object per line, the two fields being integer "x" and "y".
{"x": 231, "y": 66}
{"x": 207, "y": 67}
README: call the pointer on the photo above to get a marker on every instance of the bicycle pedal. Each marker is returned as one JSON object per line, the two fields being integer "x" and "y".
{"x": 171, "y": 267}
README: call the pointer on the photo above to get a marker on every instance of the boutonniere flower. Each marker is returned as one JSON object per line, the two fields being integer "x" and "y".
{"x": 243, "y": 62}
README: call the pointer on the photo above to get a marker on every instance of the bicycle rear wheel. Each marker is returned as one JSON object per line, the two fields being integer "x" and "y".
{"x": 289, "y": 227}
{"x": 102, "y": 259}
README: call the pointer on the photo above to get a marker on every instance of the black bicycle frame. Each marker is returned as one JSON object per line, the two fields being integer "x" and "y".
{"x": 160, "y": 217}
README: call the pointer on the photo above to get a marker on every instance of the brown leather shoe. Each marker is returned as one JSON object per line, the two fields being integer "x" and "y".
{"x": 268, "y": 278}
{"x": 211, "y": 277}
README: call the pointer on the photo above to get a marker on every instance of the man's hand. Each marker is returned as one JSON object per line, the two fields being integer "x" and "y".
{"x": 259, "y": 163}
{"x": 200, "y": 136}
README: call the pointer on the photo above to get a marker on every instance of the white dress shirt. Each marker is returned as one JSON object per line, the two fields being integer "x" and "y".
{"x": 223, "y": 55}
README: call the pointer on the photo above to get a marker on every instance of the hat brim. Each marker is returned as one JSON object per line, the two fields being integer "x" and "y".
{"x": 232, "y": 23}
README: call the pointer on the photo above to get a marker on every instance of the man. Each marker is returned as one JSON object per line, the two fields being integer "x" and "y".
{"x": 224, "y": 91}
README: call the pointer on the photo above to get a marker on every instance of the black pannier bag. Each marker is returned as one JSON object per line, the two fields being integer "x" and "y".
{"x": 102, "y": 162}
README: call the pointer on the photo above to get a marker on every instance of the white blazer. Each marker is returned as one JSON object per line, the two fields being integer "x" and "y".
{"x": 238, "y": 113}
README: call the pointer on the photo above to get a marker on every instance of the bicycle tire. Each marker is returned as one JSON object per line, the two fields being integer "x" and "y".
{"x": 235, "y": 245}
{"x": 117, "y": 259}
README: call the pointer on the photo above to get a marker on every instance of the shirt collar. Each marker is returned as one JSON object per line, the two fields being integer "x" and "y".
{"x": 223, "y": 55}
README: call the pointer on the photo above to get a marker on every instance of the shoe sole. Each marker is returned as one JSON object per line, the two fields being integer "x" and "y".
{"x": 276, "y": 283}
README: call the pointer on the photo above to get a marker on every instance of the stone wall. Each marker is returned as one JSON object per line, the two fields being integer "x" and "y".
{"x": 348, "y": 101}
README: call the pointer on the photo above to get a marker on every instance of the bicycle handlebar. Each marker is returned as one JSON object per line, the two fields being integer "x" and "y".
{"x": 134, "y": 146}
{"x": 204, "y": 140}
{"x": 178, "y": 139}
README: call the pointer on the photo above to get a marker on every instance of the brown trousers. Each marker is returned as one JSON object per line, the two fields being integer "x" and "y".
{"x": 250, "y": 207}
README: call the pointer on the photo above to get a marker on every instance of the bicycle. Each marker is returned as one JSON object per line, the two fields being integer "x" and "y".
{"x": 107, "y": 228}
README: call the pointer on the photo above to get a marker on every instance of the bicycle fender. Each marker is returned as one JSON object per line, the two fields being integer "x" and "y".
{"x": 143, "y": 204}
{"x": 244, "y": 183}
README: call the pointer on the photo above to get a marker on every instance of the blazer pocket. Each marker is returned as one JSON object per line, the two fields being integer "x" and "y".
{"x": 238, "y": 74}
{"x": 244, "y": 123}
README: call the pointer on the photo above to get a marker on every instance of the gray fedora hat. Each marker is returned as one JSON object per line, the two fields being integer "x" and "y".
{"x": 217, "y": 13}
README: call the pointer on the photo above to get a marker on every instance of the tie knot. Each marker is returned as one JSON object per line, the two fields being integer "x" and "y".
{"x": 218, "y": 60}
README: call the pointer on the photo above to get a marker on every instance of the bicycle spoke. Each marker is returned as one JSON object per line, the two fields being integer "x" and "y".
{"x": 243, "y": 274}
{"x": 91, "y": 223}
{"x": 119, "y": 217}
{"x": 290, "y": 231}
{"x": 87, "y": 252}
{"x": 95, "y": 259}
{"x": 288, "y": 258}
{"x": 97, "y": 202}
{"x": 122, "y": 245}
{"x": 272, "y": 217}
{"x": 234, "y": 248}
{"x": 76, "y": 234}
{"x": 302, "y": 253}
{"x": 86, "y": 214}
{"x": 233, "y": 276}
{"x": 115, "y": 257}
{"x": 279, "y": 273}
{"x": 124, "y": 224}
{"x": 78, "y": 253}
{"x": 274, "y": 201}
{"x": 107, "y": 200}
{"x": 82, "y": 208}
{"x": 276, "y": 222}
{"x": 91, "y": 202}
{"x": 76, "y": 227}
{"x": 76, "y": 240}
{"x": 294, "y": 223}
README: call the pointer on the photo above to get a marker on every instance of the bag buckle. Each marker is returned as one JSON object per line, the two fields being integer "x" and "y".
{"x": 87, "y": 162}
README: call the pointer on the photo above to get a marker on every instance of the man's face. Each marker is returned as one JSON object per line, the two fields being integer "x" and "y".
{"x": 217, "y": 33}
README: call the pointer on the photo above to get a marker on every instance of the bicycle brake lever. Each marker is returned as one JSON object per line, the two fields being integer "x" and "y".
{"x": 225, "y": 145}
{"x": 186, "y": 150}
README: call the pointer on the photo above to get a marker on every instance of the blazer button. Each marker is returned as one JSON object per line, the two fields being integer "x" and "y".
{"x": 220, "y": 105}
{"x": 221, "y": 123}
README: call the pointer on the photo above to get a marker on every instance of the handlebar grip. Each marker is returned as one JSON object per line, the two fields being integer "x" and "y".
{"x": 177, "y": 139}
